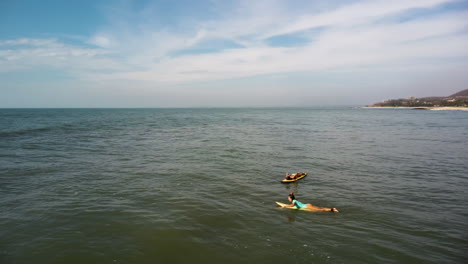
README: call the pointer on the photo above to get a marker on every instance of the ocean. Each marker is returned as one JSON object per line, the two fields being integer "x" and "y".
{"x": 200, "y": 185}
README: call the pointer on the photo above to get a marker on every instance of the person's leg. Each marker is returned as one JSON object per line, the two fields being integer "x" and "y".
{"x": 316, "y": 208}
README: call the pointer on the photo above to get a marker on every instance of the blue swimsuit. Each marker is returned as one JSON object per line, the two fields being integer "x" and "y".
{"x": 299, "y": 204}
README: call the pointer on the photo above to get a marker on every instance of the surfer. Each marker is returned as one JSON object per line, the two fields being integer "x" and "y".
{"x": 292, "y": 176}
{"x": 300, "y": 205}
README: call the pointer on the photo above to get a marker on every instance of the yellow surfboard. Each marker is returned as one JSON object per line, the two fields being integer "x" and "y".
{"x": 300, "y": 177}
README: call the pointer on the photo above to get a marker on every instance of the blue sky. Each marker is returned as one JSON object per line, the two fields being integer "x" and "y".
{"x": 229, "y": 53}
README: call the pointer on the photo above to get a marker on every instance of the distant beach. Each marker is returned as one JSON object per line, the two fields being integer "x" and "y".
{"x": 456, "y": 101}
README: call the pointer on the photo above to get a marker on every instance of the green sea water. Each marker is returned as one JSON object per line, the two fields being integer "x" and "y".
{"x": 200, "y": 185}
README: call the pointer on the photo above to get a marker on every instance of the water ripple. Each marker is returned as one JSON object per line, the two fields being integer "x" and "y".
{"x": 199, "y": 185}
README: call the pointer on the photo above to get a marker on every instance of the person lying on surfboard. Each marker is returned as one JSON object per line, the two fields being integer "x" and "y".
{"x": 293, "y": 176}
{"x": 298, "y": 204}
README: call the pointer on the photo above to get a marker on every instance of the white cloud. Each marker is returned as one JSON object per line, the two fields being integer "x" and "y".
{"x": 353, "y": 37}
{"x": 101, "y": 41}
{"x": 369, "y": 44}
{"x": 31, "y": 54}
{"x": 354, "y": 14}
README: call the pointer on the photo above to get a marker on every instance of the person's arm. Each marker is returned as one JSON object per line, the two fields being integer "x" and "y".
{"x": 290, "y": 205}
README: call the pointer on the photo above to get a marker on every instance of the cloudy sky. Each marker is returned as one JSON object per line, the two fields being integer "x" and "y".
{"x": 229, "y": 53}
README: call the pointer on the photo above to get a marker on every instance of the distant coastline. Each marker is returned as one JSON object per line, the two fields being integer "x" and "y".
{"x": 457, "y": 101}
{"x": 462, "y": 108}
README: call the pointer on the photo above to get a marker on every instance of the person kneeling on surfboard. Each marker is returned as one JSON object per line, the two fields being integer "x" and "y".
{"x": 300, "y": 205}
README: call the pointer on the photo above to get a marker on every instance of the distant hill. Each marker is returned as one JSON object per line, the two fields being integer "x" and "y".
{"x": 459, "y": 99}
{"x": 463, "y": 93}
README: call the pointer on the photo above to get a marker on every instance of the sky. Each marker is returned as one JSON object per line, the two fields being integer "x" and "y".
{"x": 229, "y": 53}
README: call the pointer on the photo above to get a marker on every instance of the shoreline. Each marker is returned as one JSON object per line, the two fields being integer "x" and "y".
{"x": 436, "y": 108}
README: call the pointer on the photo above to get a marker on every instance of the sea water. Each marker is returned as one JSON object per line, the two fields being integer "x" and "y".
{"x": 200, "y": 185}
